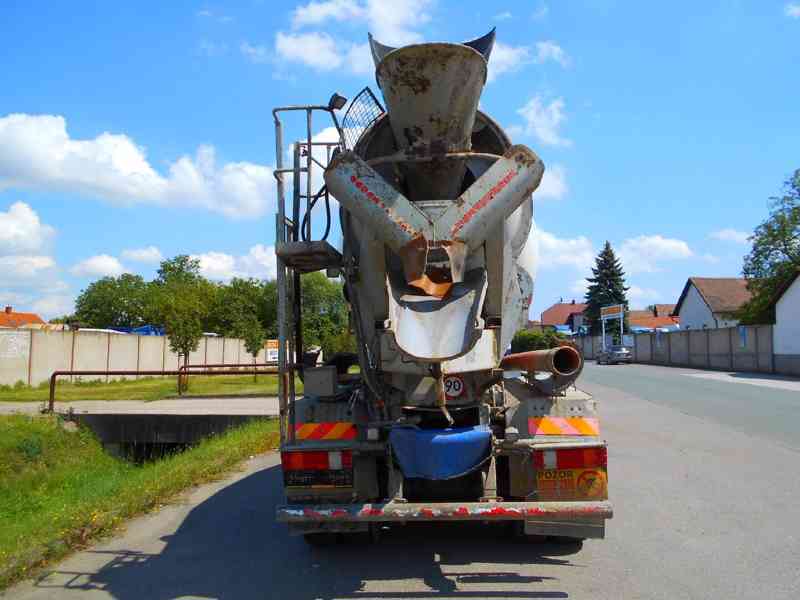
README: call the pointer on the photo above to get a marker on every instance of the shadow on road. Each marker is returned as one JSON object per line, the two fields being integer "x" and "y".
{"x": 231, "y": 547}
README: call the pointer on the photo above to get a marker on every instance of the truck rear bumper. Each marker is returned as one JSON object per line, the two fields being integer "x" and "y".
{"x": 560, "y": 512}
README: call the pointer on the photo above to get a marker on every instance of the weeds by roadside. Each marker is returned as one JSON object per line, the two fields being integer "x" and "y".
{"x": 59, "y": 489}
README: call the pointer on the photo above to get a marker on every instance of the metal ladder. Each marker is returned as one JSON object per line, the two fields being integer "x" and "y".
{"x": 295, "y": 251}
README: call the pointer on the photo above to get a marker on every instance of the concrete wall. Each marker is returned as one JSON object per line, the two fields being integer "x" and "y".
{"x": 15, "y": 347}
{"x": 31, "y": 356}
{"x": 91, "y": 353}
{"x": 51, "y": 351}
{"x": 735, "y": 349}
{"x": 123, "y": 354}
{"x": 151, "y": 352}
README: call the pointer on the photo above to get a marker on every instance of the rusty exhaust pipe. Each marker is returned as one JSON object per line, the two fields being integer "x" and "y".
{"x": 563, "y": 361}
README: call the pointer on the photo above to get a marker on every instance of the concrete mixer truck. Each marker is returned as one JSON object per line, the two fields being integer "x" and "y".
{"x": 430, "y": 419}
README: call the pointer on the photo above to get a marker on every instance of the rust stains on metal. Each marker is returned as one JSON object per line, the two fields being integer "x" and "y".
{"x": 484, "y": 200}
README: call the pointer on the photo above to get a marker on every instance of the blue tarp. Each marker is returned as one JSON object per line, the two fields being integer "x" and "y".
{"x": 440, "y": 453}
{"x": 143, "y": 330}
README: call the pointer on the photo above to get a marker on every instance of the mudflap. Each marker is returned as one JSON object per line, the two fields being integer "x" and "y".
{"x": 583, "y": 529}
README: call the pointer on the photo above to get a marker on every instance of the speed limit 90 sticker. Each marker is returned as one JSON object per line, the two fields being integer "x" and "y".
{"x": 453, "y": 386}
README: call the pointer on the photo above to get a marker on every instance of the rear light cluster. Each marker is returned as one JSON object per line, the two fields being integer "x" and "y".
{"x": 571, "y": 473}
{"x": 327, "y": 468}
{"x": 571, "y": 458}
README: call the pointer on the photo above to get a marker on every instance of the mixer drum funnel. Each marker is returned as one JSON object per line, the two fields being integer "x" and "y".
{"x": 432, "y": 93}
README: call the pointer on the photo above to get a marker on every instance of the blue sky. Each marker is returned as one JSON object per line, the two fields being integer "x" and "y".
{"x": 132, "y": 132}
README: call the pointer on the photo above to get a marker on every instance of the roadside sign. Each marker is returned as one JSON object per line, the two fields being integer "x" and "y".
{"x": 615, "y": 311}
{"x": 608, "y": 313}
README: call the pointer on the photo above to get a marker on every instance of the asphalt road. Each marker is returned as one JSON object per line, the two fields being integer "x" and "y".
{"x": 703, "y": 477}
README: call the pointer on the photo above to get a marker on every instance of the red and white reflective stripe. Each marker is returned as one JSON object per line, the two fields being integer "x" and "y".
{"x": 571, "y": 458}
{"x": 444, "y": 511}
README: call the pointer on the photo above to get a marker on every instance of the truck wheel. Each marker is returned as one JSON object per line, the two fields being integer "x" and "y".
{"x": 320, "y": 539}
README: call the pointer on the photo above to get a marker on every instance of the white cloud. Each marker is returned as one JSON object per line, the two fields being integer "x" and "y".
{"x": 554, "y": 183}
{"x": 359, "y": 59}
{"x": 639, "y": 296}
{"x": 507, "y": 59}
{"x": 579, "y": 287}
{"x": 543, "y": 121}
{"x": 101, "y": 265}
{"x": 317, "y": 13}
{"x": 710, "y": 259}
{"x": 8, "y": 298}
{"x": 642, "y": 254}
{"x": 259, "y": 262}
{"x": 24, "y": 267}
{"x": 316, "y": 50}
{"x": 540, "y": 12}
{"x": 730, "y": 235}
{"x": 54, "y": 305}
{"x": 549, "y": 50}
{"x": 21, "y": 231}
{"x": 394, "y": 23}
{"x": 503, "y": 16}
{"x": 212, "y": 49}
{"x": 256, "y": 54}
{"x": 557, "y": 252}
{"x": 792, "y": 10}
{"x": 37, "y": 152}
{"x": 149, "y": 254}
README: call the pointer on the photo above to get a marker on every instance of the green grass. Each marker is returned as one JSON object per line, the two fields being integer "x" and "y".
{"x": 145, "y": 388}
{"x": 59, "y": 489}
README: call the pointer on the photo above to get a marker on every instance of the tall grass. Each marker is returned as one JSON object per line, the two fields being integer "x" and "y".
{"x": 145, "y": 388}
{"x": 59, "y": 489}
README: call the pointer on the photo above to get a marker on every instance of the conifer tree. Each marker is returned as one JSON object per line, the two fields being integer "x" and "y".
{"x": 606, "y": 287}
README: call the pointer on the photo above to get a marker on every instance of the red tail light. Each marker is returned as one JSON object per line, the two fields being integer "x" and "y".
{"x": 317, "y": 460}
{"x": 571, "y": 458}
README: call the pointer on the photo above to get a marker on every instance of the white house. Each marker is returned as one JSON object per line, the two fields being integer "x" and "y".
{"x": 709, "y": 302}
{"x": 786, "y": 332}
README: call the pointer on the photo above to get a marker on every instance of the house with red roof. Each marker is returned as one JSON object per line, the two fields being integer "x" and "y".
{"x": 711, "y": 302}
{"x": 563, "y": 313}
{"x": 10, "y": 318}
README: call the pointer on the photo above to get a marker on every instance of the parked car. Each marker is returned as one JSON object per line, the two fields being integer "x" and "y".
{"x": 613, "y": 355}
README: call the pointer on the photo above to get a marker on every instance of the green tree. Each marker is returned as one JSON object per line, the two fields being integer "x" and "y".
{"x": 182, "y": 315}
{"x": 775, "y": 254}
{"x": 249, "y": 329}
{"x": 606, "y": 287}
{"x": 234, "y": 302}
{"x": 113, "y": 302}
{"x": 181, "y": 269}
{"x": 530, "y": 339}
{"x": 324, "y": 311}
{"x": 181, "y": 275}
